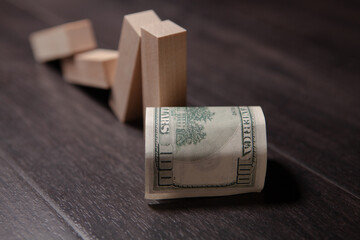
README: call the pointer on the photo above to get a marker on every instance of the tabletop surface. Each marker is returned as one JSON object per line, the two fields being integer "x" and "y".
{"x": 69, "y": 169}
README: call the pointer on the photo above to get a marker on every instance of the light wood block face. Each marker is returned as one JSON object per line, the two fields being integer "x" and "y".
{"x": 163, "y": 57}
{"x": 95, "y": 68}
{"x": 62, "y": 41}
{"x": 126, "y": 96}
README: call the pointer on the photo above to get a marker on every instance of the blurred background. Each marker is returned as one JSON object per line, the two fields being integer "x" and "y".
{"x": 298, "y": 60}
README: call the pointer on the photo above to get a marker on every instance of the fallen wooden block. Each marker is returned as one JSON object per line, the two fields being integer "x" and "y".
{"x": 126, "y": 96}
{"x": 95, "y": 68}
{"x": 163, "y": 59}
{"x": 62, "y": 41}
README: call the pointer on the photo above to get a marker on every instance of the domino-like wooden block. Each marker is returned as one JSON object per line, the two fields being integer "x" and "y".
{"x": 95, "y": 68}
{"x": 163, "y": 59}
{"x": 126, "y": 96}
{"x": 62, "y": 41}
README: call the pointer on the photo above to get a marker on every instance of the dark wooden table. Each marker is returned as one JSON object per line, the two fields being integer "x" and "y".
{"x": 69, "y": 169}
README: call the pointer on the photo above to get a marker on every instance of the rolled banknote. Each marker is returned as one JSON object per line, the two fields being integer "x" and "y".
{"x": 204, "y": 151}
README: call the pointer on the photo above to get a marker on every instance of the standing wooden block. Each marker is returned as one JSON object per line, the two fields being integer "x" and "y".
{"x": 95, "y": 68}
{"x": 62, "y": 41}
{"x": 126, "y": 97}
{"x": 163, "y": 58}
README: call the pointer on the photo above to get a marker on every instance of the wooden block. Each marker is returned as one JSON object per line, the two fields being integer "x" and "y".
{"x": 62, "y": 41}
{"x": 126, "y": 96}
{"x": 95, "y": 68}
{"x": 163, "y": 59}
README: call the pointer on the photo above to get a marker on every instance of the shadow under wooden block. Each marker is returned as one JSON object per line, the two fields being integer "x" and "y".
{"x": 126, "y": 96}
{"x": 62, "y": 41}
{"x": 163, "y": 58}
{"x": 94, "y": 68}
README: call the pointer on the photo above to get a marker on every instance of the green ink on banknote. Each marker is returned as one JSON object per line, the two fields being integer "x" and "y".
{"x": 190, "y": 129}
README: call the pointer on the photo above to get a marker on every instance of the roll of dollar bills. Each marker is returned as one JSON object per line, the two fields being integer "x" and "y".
{"x": 204, "y": 151}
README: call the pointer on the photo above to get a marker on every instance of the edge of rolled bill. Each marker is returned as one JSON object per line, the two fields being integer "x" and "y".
{"x": 204, "y": 151}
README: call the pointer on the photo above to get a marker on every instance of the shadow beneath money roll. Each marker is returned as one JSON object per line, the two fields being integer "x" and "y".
{"x": 281, "y": 185}
{"x": 280, "y": 188}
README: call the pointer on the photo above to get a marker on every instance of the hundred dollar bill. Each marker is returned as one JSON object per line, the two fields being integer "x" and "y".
{"x": 204, "y": 151}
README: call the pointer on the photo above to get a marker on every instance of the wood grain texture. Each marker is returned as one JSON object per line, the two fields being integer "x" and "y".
{"x": 163, "y": 65}
{"x": 94, "y": 68}
{"x": 126, "y": 95}
{"x": 62, "y": 41}
{"x": 24, "y": 213}
{"x": 299, "y": 61}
